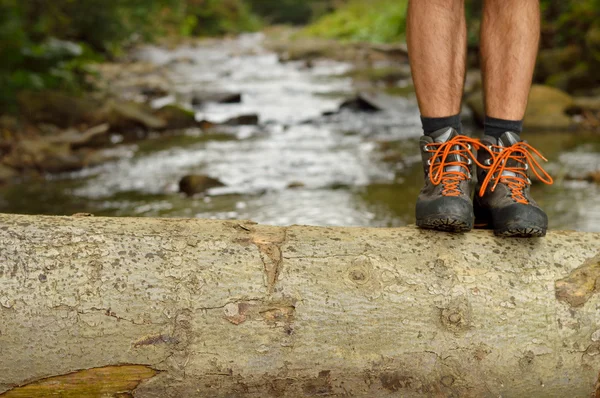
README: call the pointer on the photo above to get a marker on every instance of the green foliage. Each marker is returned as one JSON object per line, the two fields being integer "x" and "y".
{"x": 217, "y": 17}
{"x": 296, "y": 12}
{"x": 361, "y": 20}
{"x": 48, "y": 44}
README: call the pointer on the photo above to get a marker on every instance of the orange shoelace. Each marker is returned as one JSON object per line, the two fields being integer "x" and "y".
{"x": 522, "y": 153}
{"x": 459, "y": 147}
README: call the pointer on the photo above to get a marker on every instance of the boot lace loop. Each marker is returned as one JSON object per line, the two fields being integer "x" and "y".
{"x": 459, "y": 150}
{"x": 523, "y": 154}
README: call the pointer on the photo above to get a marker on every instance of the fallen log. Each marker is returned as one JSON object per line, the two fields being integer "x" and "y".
{"x": 188, "y": 308}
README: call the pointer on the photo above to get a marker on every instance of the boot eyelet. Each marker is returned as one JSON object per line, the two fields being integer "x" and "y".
{"x": 428, "y": 162}
{"x": 488, "y": 162}
{"x": 526, "y": 166}
{"x": 469, "y": 162}
{"x": 469, "y": 146}
{"x": 529, "y": 181}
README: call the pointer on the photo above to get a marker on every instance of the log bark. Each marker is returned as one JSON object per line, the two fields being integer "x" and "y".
{"x": 191, "y": 308}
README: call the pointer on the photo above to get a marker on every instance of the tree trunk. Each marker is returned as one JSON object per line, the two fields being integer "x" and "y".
{"x": 189, "y": 308}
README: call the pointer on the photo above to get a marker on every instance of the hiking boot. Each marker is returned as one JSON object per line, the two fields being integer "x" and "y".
{"x": 445, "y": 201}
{"x": 504, "y": 203}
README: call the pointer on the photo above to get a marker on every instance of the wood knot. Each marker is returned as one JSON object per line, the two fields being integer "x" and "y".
{"x": 448, "y": 381}
{"x": 455, "y": 318}
{"x": 357, "y": 275}
{"x": 457, "y": 315}
{"x": 527, "y": 360}
{"x": 360, "y": 271}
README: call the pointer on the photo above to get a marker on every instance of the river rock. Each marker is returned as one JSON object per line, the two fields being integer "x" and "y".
{"x": 126, "y": 115}
{"x": 61, "y": 109}
{"x": 198, "y": 183}
{"x": 362, "y": 103}
{"x": 200, "y": 98}
{"x": 176, "y": 116}
{"x": 251, "y": 119}
{"x": 95, "y": 137}
{"x": 43, "y": 155}
{"x": 546, "y": 110}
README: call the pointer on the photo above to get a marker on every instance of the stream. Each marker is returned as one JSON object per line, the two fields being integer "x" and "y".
{"x": 296, "y": 166}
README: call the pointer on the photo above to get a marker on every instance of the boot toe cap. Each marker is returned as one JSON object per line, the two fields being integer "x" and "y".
{"x": 520, "y": 220}
{"x": 445, "y": 208}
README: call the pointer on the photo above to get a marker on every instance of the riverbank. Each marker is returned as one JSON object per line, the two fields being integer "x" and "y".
{"x": 277, "y": 133}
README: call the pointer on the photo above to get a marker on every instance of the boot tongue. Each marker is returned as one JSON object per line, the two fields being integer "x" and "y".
{"x": 445, "y": 135}
{"x": 508, "y": 139}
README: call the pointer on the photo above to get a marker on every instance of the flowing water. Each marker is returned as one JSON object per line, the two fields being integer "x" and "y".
{"x": 297, "y": 166}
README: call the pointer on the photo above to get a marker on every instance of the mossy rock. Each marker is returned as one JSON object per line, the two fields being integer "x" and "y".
{"x": 199, "y": 183}
{"x": 546, "y": 109}
{"x": 177, "y": 117}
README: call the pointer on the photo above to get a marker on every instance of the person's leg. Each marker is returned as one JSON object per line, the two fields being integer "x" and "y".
{"x": 509, "y": 45}
{"x": 510, "y": 33}
{"x": 437, "y": 46}
{"x": 437, "y": 43}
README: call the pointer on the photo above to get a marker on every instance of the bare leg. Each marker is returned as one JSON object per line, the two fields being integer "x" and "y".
{"x": 509, "y": 43}
{"x": 437, "y": 45}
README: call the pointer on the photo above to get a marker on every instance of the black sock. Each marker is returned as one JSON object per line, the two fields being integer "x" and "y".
{"x": 432, "y": 124}
{"x": 496, "y": 127}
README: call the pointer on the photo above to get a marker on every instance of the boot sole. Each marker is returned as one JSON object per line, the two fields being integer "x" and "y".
{"x": 521, "y": 232}
{"x": 445, "y": 224}
{"x": 483, "y": 221}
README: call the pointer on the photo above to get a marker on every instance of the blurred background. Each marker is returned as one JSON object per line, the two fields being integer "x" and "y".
{"x": 279, "y": 111}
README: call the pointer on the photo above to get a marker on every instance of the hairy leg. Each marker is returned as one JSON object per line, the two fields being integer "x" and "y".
{"x": 510, "y": 34}
{"x": 437, "y": 46}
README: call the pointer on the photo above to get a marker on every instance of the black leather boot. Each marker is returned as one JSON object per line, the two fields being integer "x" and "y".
{"x": 445, "y": 201}
{"x": 504, "y": 202}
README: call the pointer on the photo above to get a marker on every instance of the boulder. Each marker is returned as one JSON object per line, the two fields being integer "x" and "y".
{"x": 546, "y": 109}
{"x": 198, "y": 183}
{"x": 176, "y": 116}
